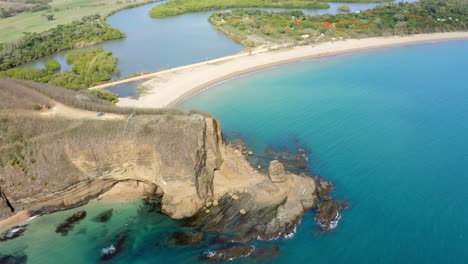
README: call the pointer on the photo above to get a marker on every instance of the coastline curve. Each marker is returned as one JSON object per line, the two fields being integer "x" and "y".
{"x": 171, "y": 87}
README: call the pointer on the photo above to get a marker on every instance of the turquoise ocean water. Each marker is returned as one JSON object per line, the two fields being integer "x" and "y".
{"x": 388, "y": 127}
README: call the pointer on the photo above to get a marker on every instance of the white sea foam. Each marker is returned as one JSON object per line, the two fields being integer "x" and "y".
{"x": 31, "y": 218}
{"x": 108, "y": 250}
{"x": 210, "y": 254}
{"x": 292, "y": 234}
{"x": 333, "y": 224}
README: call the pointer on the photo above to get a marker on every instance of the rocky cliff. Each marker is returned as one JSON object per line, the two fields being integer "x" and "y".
{"x": 54, "y": 162}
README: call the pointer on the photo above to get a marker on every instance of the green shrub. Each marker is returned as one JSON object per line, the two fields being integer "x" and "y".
{"x": 344, "y": 9}
{"x": 52, "y": 66}
{"x": 37, "y": 107}
{"x": 36, "y": 45}
{"x": 105, "y": 95}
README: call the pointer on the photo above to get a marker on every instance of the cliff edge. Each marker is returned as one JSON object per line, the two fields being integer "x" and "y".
{"x": 49, "y": 164}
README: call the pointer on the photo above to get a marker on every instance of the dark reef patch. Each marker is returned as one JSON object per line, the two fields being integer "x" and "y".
{"x": 104, "y": 217}
{"x": 65, "y": 227}
{"x": 117, "y": 246}
{"x": 188, "y": 238}
{"x": 228, "y": 253}
{"x": 9, "y": 259}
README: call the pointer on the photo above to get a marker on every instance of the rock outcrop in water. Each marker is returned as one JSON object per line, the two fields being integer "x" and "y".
{"x": 116, "y": 248}
{"x": 8, "y": 259}
{"x": 187, "y": 238}
{"x": 104, "y": 216}
{"x": 13, "y": 233}
{"x": 228, "y": 253}
{"x": 65, "y": 227}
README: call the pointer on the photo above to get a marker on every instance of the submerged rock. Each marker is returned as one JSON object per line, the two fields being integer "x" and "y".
{"x": 345, "y": 205}
{"x": 266, "y": 253}
{"x": 104, "y": 216}
{"x": 228, "y": 253}
{"x": 8, "y": 259}
{"x": 70, "y": 223}
{"x": 328, "y": 214}
{"x": 116, "y": 247}
{"x": 188, "y": 238}
{"x": 13, "y": 233}
{"x": 296, "y": 163}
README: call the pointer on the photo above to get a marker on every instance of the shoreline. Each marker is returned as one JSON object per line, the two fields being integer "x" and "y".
{"x": 121, "y": 192}
{"x": 171, "y": 87}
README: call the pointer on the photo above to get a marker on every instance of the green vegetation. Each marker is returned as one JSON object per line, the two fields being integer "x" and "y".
{"x": 90, "y": 67}
{"x": 63, "y": 11}
{"x": 52, "y": 66}
{"x": 344, "y": 9}
{"x": 169, "y": 116}
{"x": 358, "y": 1}
{"x": 104, "y": 95}
{"x": 178, "y": 7}
{"x": 255, "y": 27}
{"x": 37, "y": 107}
{"x": 34, "y": 45}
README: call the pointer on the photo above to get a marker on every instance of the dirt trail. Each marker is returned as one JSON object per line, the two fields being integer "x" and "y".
{"x": 60, "y": 110}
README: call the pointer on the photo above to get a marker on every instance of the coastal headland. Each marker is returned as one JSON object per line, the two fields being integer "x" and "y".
{"x": 178, "y": 157}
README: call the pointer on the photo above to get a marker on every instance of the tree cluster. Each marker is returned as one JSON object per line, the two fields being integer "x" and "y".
{"x": 36, "y": 45}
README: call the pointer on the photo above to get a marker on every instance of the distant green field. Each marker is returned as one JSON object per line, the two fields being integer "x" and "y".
{"x": 64, "y": 11}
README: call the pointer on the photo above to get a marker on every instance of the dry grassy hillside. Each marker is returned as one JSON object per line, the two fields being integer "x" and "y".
{"x": 20, "y": 94}
{"x": 42, "y": 154}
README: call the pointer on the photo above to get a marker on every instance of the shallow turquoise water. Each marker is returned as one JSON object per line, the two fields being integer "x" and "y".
{"x": 388, "y": 127}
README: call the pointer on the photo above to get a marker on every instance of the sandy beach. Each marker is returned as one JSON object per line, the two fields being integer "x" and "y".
{"x": 171, "y": 87}
{"x": 16, "y": 219}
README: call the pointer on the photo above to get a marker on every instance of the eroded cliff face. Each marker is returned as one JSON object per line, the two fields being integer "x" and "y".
{"x": 56, "y": 164}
